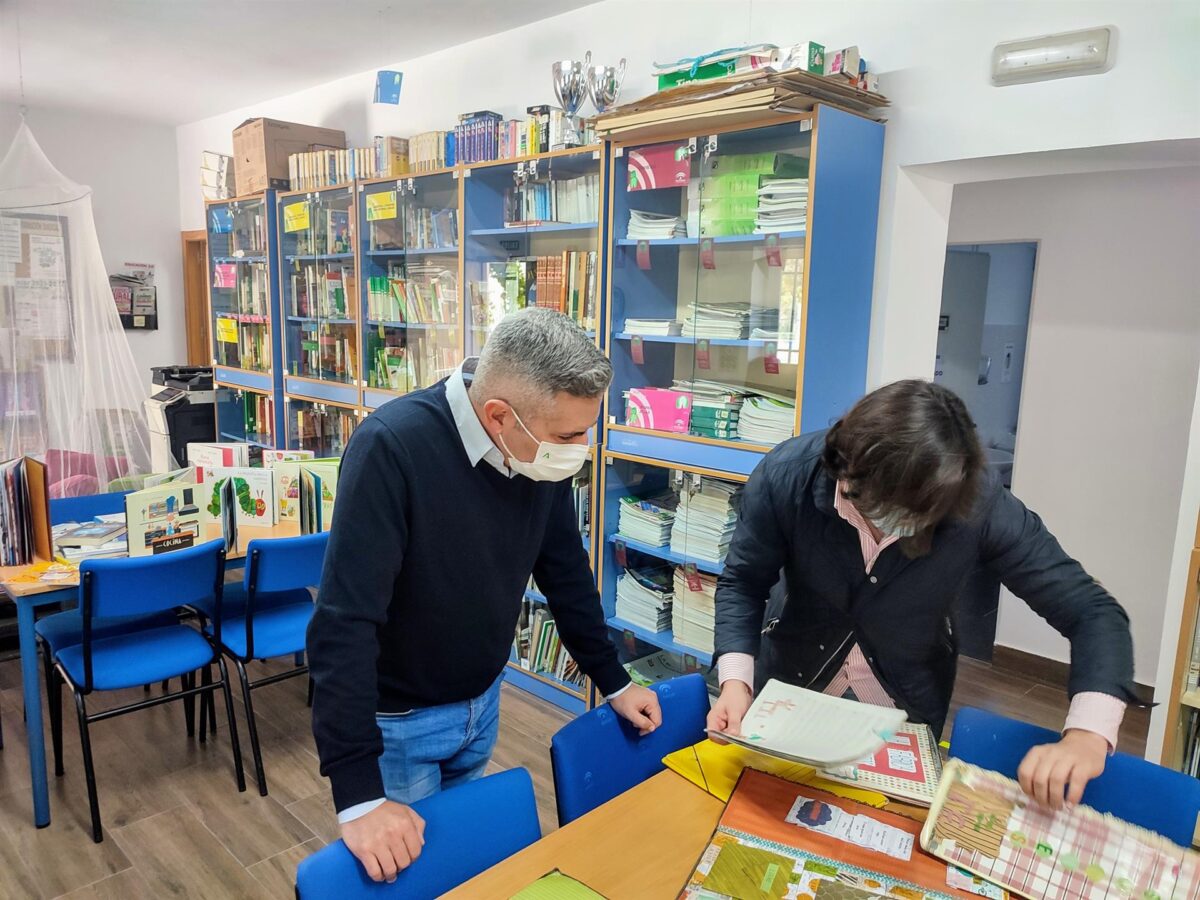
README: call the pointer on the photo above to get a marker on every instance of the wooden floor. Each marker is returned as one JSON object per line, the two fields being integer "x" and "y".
{"x": 176, "y": 826}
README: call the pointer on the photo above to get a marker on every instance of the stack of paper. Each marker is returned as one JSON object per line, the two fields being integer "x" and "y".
{"x": 653, "y": 226}
{"x": 782, "y": 205}
{"x": 693, "y": 612}
{"x": 718, "y": 320}
{"x": 653, "y": 327}
{"x": 766, "y": 420}
{"x": 716, "y": 408}
{"x": 116, "y": 547}
{"x": 648, "y": 521}
{"x": 644, "y": 597}
{"x": 705, "y": 520}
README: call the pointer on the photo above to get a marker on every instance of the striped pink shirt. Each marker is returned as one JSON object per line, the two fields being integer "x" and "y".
{"x": 1090, "y": 711}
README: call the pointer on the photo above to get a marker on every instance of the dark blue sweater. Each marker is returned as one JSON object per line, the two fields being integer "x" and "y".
{"x": 427, "y": 564}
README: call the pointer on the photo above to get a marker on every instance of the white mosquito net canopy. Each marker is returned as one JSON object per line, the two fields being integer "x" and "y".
{"x": 69, "y": 389}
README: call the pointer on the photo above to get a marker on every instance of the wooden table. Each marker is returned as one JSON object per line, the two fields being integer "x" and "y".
{"x": 641, "y": 845}
{"x": 29, "y": 596}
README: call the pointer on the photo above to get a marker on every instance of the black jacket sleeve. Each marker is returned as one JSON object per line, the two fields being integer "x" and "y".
{"x": 1027, "y": 558}
{"x": 756, "y": 554}
{"x": 366, "y": 548}
{"x": 563, "y": 573}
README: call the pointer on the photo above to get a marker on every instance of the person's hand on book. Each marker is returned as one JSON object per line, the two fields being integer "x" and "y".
{"x": 1051, "y": 772}
{"x": 385, "y": 840}
{"x": 640, "y": 706}
{"x": 727, "y": 713}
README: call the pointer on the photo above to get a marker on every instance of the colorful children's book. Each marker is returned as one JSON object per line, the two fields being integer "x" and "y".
{"x": 983, "y": 822}
{"x": 204, "y": 455}
{"x": 253, "y": 494}
{"x": 270, "y": 457}
{"x": 908, "y": 767}
{"x": 163, "y": 518}
{"x": 179, "y": 476}
{"x": 658, "y": 408}
{"x": 318, "y": 491}
{"x": 814, "y": 728}
{"x": 287, "y": 490}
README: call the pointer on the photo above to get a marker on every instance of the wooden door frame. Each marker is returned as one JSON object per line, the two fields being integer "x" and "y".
{"x": 195, "y": 301}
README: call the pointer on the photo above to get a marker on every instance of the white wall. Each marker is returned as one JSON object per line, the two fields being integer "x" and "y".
{"x": 130, "y": 167}
{"x": 934, "y": 57}
{"x": 1110, "y": 377}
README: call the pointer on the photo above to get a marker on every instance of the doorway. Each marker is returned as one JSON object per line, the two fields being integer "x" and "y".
{"x": 195, "y": 297}
{"x": 987, "y": 291}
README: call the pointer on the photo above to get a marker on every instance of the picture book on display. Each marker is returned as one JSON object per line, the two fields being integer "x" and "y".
{"x": 317, "y": 493}
{"x": 253, "y": 494}
{"x": 813, "y": 728}
{"x": 983, "y": 822}
{"x": 24, "y": 512}
{"x": 907, "y": 767}
{"x": 285, "y": 468}
{"x": 204, "y": 455}
{"x": 169, "y": 517}
{"x": 780, "y": 840}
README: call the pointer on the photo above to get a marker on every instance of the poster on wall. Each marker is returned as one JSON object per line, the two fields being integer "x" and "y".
{"x": 35, "y": 301}
{"x": 136, "y": 296}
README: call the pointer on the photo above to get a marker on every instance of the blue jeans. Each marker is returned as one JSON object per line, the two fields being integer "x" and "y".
{"x": 438, "y": 747}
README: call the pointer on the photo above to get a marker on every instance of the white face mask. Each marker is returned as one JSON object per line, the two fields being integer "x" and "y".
{"x": 551, "y": 462}
{"x": 894, "y": 524}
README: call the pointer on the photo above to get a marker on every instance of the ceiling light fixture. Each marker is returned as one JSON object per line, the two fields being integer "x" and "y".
{"x": 1064, "y": 55}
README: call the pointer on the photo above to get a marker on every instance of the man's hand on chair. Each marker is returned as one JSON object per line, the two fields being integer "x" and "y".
{"x": 640, "y": 706}
{"x": 385, "y": 840}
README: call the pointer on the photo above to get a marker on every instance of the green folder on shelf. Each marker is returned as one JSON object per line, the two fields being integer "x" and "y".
{"x": 557, "y": 886}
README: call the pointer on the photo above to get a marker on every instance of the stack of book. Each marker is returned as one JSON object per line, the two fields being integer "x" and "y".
{"x": 729, "y": 321}
{"x": 387, "y": 157}
{"x": 648, "y": 521}
{"x": 716, "y": 408}
{"x": 705, "y": 520}
{"x": 653, "y": 226}
{"x": 767, "y": 420}
{"x": 94, "y": 540}
{"x": 644, "y": 595}
{"x": 574, "y": 200}
{"x": 782, "y": 205}
{"x": 653, "y": 327}
{"x": 693, "y": 612}
{"x": 216, "y": 176}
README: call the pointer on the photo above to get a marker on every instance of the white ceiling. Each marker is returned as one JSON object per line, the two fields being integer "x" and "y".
{"x": 176, "y": 61}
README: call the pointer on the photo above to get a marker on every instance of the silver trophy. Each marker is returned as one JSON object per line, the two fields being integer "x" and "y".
{"x": 604, "y": 84}
{"x": 570, "y": 87}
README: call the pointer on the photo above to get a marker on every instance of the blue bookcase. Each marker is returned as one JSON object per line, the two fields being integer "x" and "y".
{"x": 243, "y": 305}
{"x": 740, "y": 276}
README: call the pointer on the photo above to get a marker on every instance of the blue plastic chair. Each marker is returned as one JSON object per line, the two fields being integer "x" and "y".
{"x": 600, "y": 755}
{"x": 1131, "y": 788}
{"x": 111, "y": 661}
{"x": 266, "y": 617}
{"x": 468, "y": 829}
{"x": 86, "y": 508}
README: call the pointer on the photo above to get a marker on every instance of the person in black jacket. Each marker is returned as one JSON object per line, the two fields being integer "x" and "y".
{"x": 449, "y": 498}
{"x": 857, "y": 617}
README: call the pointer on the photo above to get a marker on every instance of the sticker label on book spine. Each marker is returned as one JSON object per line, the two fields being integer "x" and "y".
{"x": 643, "y": 254}
{"x": 295, "y": 216}
{"x": 381, "y": 206}
{"x": 702, "y": 357}
{"x": 637, "y": 350}
{"x": 771, "y": 358}
{"x": 708, "y": 257}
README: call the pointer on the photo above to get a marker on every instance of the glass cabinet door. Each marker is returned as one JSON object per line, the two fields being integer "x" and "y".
{"x": 533, "y": 231}
{"x": 245, "y": 416}
{"x": 319, "y": 285}
{"x": 323, "y": 428}
{"x": 708, "y": 278}
{"x": 239, "y": 284}
{"x": 410, "y": 254}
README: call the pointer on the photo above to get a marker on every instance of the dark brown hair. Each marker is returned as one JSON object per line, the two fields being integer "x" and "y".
{"x": 908, "y": 449}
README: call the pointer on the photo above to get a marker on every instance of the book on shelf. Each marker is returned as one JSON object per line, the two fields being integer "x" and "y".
{"x": 331, "y": 233}
{"x": 387, "y": 157}
{"x": 258, "y": 412}
{"x": 477, "y": 137}
{"x": 647, "y": 520}
{"x": 693, "y": 611}
{"x": 705, "y": 519}
{"x": 659, "y": 409}
{"x": 25, "y": 533}
{"x": 566, "y": 282}
{"x": 321, "y": 292}
{"x": 326, "y": 351}
{"x": 427, "y": 228}
{"x": 653, "y": 327}
{"x": 538, "y": 648}
{"x": 430, "y": 151}
{"x": 326, "y": 431}
{"x": 645, "y": 594}
{"x": 570, "y": 200}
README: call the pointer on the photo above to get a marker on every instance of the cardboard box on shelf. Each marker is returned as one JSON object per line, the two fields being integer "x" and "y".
{"x": 261, "y": 148}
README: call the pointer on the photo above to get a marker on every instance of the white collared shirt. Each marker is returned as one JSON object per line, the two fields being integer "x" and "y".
{"x": 474, "y": 438}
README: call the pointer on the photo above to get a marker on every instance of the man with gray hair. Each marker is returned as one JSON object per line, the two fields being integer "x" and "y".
{"x": 449, "y": 498}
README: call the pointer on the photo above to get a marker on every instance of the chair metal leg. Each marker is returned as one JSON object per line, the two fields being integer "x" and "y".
{"x": 188, "y": 682}
{"x": 166, "y": 684}
{"x": 205, "y": 699}
{"x": 239, "y": 772}
{"x": 54, "y": 700}
{"x": 255, "y": 749}
{"x": 311, "y": 688}
{"x": 88, "y": 768}
{"x": 212, "y": 703}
